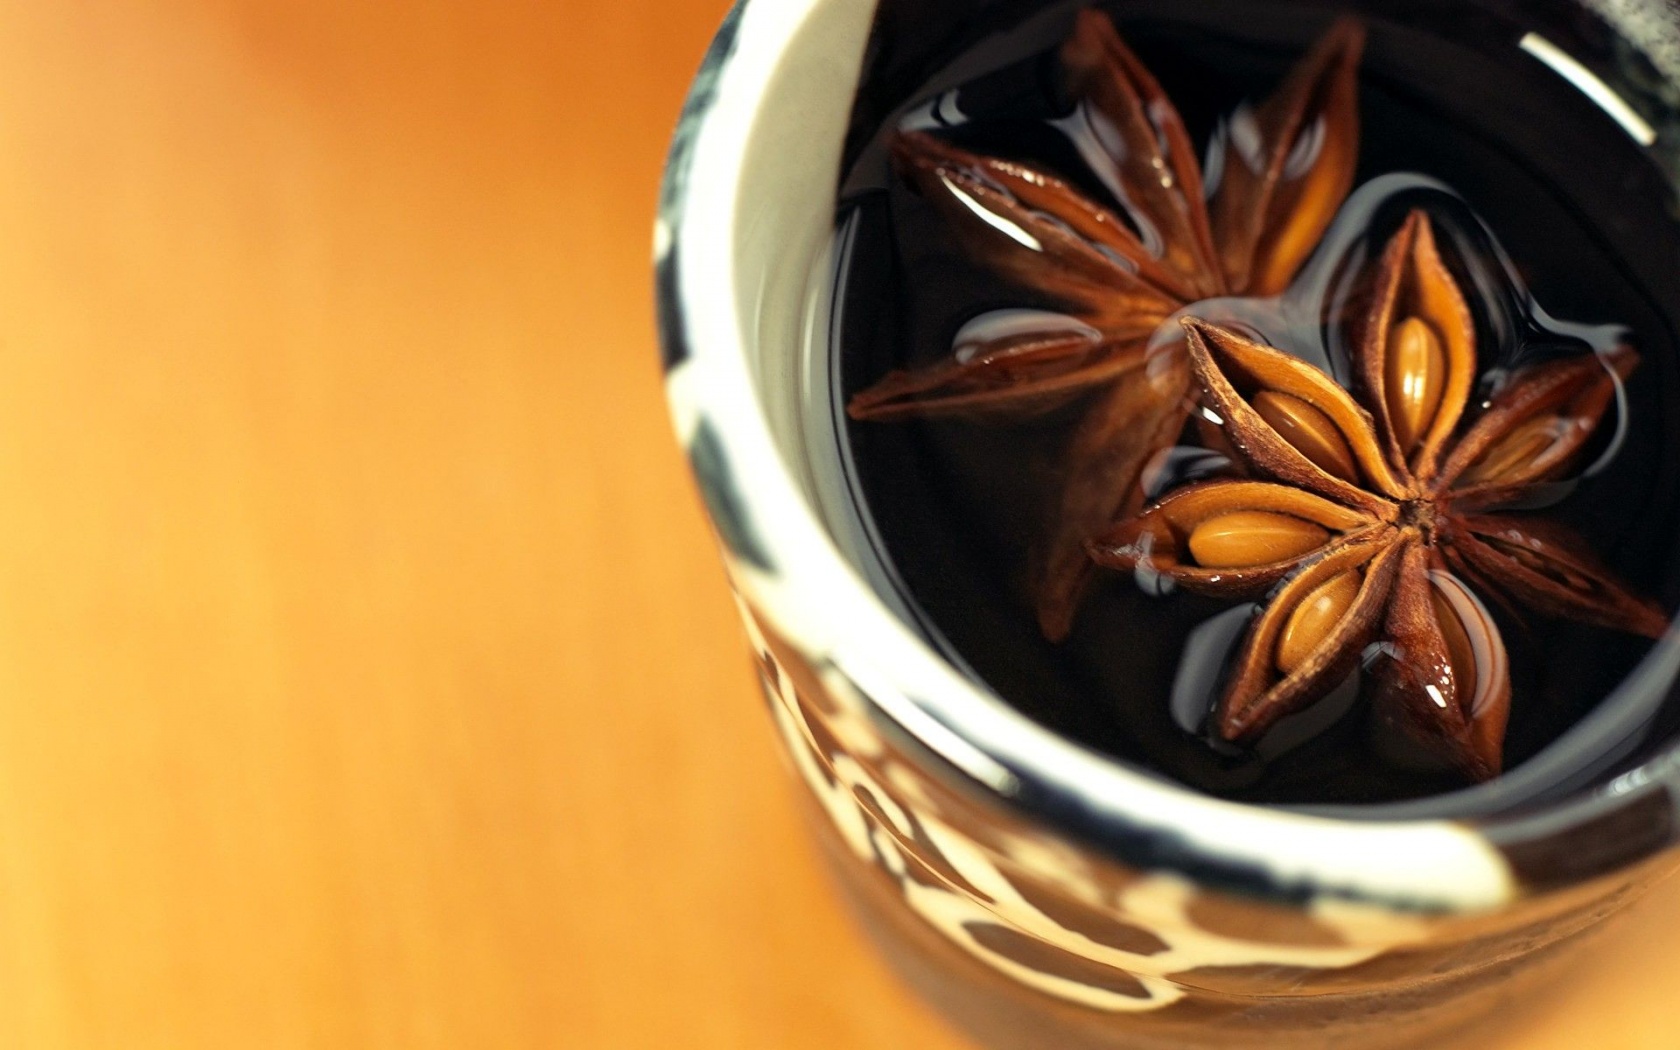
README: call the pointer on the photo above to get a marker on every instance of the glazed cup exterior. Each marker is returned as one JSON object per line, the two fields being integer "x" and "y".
{"x": 1038, "y": 893}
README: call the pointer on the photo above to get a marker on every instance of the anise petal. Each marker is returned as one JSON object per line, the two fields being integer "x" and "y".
{"x": 1417, "y": 355}
{"x": 1231, "y": 539}
{"x": 1287, "y": 166}
{"x": 1032, "y": 248}
{"x": 1013, "y": 376}
{"x": 1483, "y": 585}
{"x": 1260, "y": 693}
{"x": 1146, "y": 152}
{"x": 1550, "y": 569}
{"x": 1234, "y": 373}
{"x": 1003, "y": 208}
{"x": 1142, "y": 413}
{"x": 1448, "y": 676}
{"x": 1535, "y": 425}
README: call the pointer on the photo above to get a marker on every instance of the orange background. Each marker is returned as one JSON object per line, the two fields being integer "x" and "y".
{"x": 367, "y": 678}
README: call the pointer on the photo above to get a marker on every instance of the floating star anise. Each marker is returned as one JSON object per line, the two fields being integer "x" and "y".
{"x": 1276, "y": 179}
{"x": 1376, "y": 519}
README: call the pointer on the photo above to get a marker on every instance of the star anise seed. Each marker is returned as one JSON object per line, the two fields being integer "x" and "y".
{"x": 1121, "y": 278}
{"x": 1377, "y": 517}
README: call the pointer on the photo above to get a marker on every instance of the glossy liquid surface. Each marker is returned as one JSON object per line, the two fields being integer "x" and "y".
{"x": 959, "y": 505}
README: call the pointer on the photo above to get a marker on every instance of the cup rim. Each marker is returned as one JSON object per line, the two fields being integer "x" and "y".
{"x": 766, "y": 525}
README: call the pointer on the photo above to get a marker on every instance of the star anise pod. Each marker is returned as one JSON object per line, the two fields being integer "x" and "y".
{"x": 1377, "y": 519}
{"x": 1276, "y": 179}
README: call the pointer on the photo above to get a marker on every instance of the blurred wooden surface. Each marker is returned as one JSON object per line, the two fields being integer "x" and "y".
{"x": 366, "y": 675}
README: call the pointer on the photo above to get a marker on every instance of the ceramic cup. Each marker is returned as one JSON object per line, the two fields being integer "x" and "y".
{"x": 1038, "y": 892}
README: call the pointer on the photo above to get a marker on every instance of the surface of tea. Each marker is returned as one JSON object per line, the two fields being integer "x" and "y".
{"x": 1540, "y": 207}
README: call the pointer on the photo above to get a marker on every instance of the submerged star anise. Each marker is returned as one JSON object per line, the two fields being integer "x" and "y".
{"x": 1276, "y": 177}
{"x": 1377, "y": 519}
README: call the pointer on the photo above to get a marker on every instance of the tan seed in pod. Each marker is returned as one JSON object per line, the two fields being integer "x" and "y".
{"x": 1314, "y": 619}
{"x": 1246, "y": 538}
{"x": 1415, "y": 375}
{"x": 1310, "y": 431}
{"x": 1521, "y": 446}
{"x": 1460, "y": 652}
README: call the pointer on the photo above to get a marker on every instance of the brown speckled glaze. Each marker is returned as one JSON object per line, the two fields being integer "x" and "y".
{"x": 1021, "y": 933}
{"x": 1038, "y": 893}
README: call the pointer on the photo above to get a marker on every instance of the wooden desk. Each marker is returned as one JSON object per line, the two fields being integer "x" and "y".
{"x": 366, "y": 675}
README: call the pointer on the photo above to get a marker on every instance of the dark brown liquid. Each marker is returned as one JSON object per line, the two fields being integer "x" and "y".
{"x": 958, "y": 505}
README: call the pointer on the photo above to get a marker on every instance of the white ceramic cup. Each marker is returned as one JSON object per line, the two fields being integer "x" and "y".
{"x": 1040, "y": 892}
